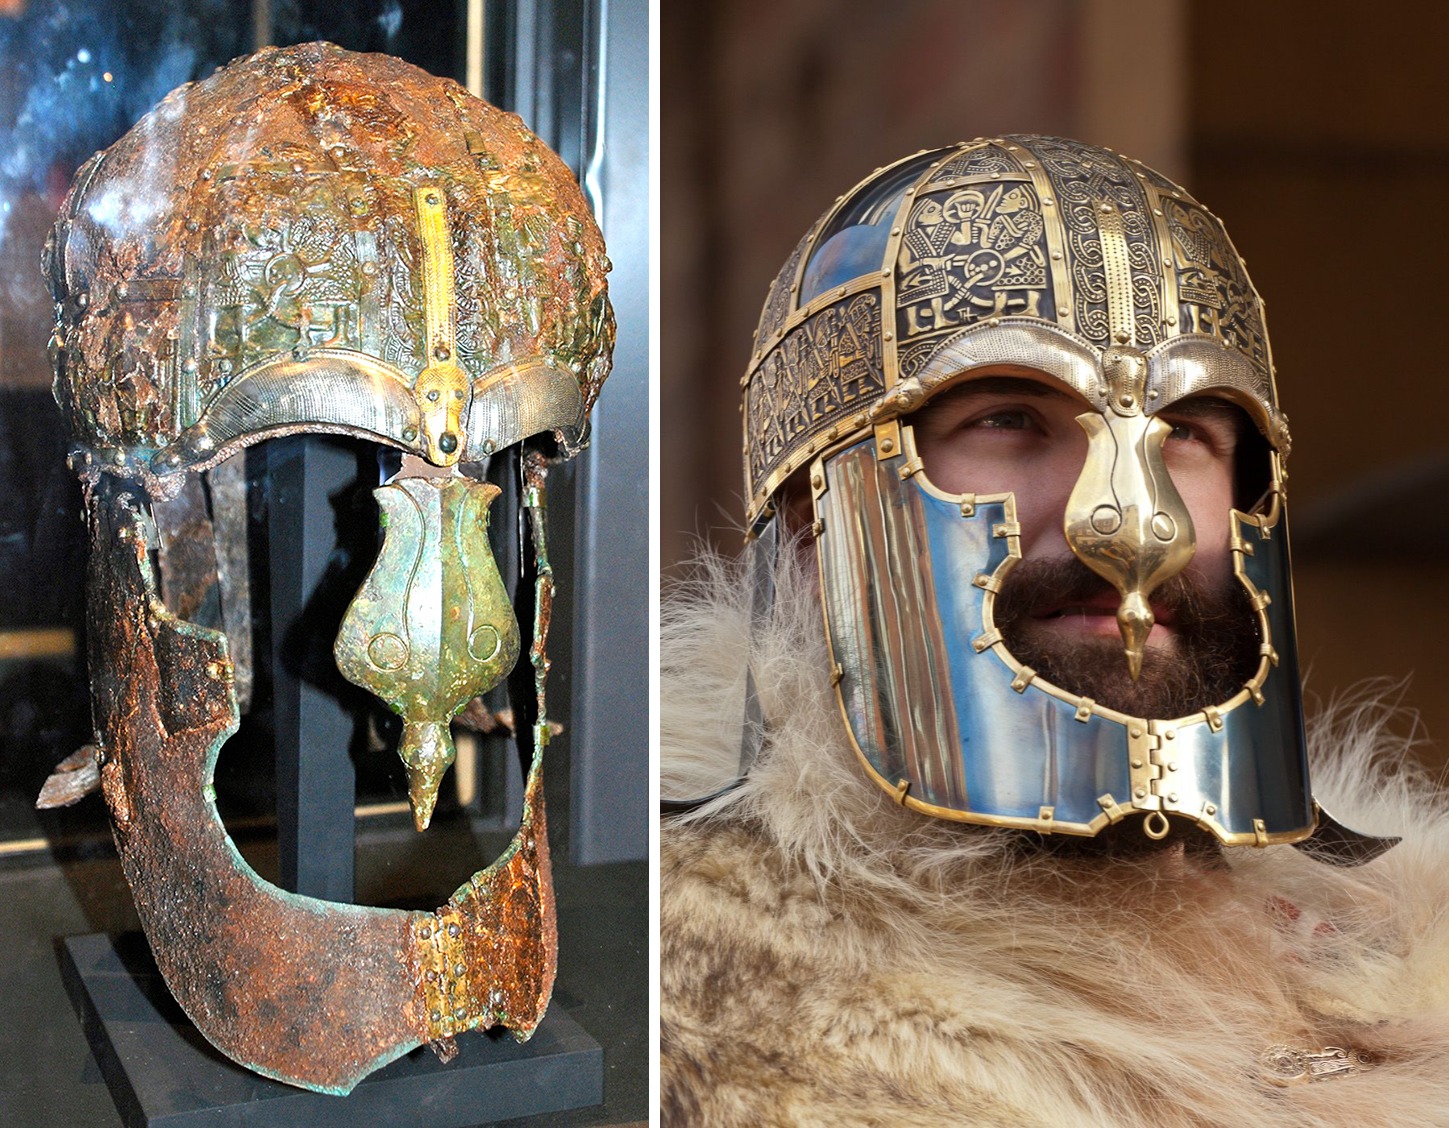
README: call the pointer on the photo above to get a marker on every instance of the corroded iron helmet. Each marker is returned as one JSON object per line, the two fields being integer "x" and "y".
{"x": 1095, "y": 275}
{"x": 316, "y": 241}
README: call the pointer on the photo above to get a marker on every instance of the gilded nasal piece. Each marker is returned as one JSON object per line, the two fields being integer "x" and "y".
{"x": 1125, "y": 519}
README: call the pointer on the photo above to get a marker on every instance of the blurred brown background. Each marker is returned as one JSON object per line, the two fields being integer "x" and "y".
{"x": 1316, "y": 130}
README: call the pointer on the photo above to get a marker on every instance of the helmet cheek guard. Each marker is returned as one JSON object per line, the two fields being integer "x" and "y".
{"x": 1095, "y": 273}
{"x": 316, "y": 241}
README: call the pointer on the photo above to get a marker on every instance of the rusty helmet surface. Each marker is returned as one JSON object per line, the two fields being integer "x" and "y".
{"x": 319, "y": 240}
{"x": 312, "y": 240}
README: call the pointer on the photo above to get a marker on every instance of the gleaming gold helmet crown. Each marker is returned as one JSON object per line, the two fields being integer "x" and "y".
{"x": 1016, "y": 250}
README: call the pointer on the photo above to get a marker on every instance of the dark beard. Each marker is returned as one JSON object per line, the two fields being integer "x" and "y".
{"x": 1214, "y": 648}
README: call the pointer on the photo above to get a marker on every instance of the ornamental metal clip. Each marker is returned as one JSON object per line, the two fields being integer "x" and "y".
{"x": 1284, "y": 1065}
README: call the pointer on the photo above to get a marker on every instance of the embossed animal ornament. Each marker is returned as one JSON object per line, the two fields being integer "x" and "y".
{"x": 312, "y": 240}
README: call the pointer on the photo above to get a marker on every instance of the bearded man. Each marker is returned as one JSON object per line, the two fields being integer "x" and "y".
{"x": 1007, "y": 842}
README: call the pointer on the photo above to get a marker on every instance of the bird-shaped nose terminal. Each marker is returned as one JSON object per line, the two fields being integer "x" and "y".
{"x": 1125, "y": 519}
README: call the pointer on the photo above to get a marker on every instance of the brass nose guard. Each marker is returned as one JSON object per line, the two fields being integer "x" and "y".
{"x": 1125, "y": 519}
{"x": 432, "y": 626}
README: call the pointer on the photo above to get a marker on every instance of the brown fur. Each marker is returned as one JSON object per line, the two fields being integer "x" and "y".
{"x": 828, "y": 957}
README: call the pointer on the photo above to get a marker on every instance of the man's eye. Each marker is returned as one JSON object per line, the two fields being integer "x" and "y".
{"x": 1003, "y": 421}
{"x": 1183, "y": 432}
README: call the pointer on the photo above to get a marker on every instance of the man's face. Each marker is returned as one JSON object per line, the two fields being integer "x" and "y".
{"x": 1017, "y": 431}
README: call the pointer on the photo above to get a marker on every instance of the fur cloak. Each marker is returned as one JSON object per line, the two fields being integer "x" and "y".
{"x": 828, "y": 957}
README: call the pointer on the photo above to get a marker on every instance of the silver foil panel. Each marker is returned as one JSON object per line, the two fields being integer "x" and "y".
{"x": 927, "y": 688}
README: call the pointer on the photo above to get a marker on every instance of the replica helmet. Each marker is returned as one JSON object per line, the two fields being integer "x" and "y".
{"x": 316, "y": 241}
{"x": 1097, "y": 277}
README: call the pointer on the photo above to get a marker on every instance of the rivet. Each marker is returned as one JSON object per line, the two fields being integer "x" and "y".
{"x": 1056, "y": 256}
{"x": 888, "y": 335}
{"x": 1170, "y": 733}
{"x": 1172, "y": 766}
{"x": 1137, "y": 763}
{"x": 453, "y": 931}
{"x": 1172, "y": 797}
{"x": 432, "y": 198}
{"x": 1211, "y": 809}
{"x": 448, "y": 443}
{"x": 816, "y": 481}
{"x": 460, "y": 971}
{"x": 459, "y": 1012}
{"x": 437, "y": 1016}
{"x": 1062, "y": 311}
{"x": 1140, "y": 792}
{"x": 409, "y": 434}
{"x": 887, "y": 445}
{"x": 441, "y": 353}
{"x": 425, "y": 932}
{"x": 433, "y": 396}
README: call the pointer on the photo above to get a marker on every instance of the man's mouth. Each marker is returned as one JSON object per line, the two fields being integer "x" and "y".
{"x": 1097, "y": 615}
{"x": 1061, "y": 620}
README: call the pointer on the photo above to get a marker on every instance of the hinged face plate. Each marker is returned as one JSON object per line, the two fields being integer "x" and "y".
{"x": 264, "y": 974}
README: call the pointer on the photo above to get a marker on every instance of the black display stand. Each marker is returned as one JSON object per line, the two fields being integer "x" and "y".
{"x": 159, "y": 1069}
{"x": 161, "y": 1072}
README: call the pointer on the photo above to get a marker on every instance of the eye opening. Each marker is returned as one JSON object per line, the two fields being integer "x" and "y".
{"x": 1003, "y": 417}
{"x": 1220, "y": 421}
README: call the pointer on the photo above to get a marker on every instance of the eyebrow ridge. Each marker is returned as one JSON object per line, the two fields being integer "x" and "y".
{"x": 1004, "y": 385}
